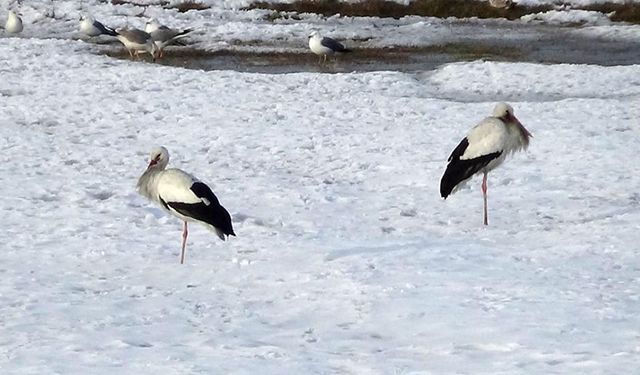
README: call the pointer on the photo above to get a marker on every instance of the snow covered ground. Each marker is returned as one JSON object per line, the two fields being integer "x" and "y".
{"x": 346, "y": 260}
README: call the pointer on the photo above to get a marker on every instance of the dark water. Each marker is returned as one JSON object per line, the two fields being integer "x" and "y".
{"x": 468, "y": 42}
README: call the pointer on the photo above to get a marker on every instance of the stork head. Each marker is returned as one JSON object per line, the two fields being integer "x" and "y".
{"x": 504, "y": 112}
{"x": 159, "y": 158}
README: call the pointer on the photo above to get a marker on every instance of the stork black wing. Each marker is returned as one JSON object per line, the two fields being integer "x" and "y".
{"x": 212, "y": 213}
{"x": 459, "y": 170}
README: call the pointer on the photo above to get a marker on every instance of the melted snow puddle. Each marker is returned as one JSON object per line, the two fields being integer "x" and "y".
{"x": 551, "y": 48}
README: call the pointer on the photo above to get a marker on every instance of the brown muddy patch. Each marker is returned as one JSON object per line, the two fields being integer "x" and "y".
{"x": 553, "y": 47}
{"x": 621, "y": 12}
{"x": 382, "y": 8}
{"x": 406, "y": 59}
{"x": 182, "y": 6}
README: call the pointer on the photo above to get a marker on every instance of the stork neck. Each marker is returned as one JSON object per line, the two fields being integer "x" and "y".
{"x": 518, "y": 134}
{"x": 148, "y": 183}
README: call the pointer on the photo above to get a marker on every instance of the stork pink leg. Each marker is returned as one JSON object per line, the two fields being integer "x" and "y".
{"x": 185, "y": 232}
{"x": 484, "y": 195}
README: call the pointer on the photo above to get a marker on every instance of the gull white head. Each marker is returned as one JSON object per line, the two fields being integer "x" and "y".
{"x": 314, "y": 34}
{"x": 86, "y": 24}
{"x": 14, "y": 23}
{"x": 159, "y": 158}
{"x": 151, "y": 25}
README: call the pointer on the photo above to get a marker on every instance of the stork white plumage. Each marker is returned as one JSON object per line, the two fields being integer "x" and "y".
{"x": 484, "y": 148}
{"x": 184, "y": 196}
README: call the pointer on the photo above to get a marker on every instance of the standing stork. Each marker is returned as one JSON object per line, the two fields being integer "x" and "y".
{"x": 484, "y": 148}
{"x": 183, "y": 196}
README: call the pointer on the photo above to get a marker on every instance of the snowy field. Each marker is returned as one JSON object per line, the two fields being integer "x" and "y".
{"x": 347, "y": 261}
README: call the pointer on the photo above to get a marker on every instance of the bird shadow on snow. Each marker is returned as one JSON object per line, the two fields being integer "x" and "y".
{"x": 255, "y": 220}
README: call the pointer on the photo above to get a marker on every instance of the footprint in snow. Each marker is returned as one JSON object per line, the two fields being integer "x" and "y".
{"x": 409, "y": 212}
{"x": 100, "y": 195}
{"x": 387, "y": 230}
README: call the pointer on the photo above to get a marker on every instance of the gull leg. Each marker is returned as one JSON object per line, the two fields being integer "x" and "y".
{"x": 185, "y": 232}
{"x": 484, "y": 195}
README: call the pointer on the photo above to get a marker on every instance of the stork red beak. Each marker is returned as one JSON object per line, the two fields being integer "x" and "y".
{"x": 524, "y": 130}
{"x": 152, "y": 163}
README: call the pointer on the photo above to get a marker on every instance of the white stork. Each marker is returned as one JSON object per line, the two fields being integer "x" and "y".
{"x": 183, "y": 196}
{"x": 484, "y": 148}
{"x": 323, "y": 46}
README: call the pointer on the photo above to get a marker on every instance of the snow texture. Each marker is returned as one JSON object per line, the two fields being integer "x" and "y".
{"x": 346, "y": 260}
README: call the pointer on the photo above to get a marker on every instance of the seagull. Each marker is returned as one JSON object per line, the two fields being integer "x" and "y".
{"x": 323, "y": 46}
{"x": 91, "y": 27}
{"x": 484, "y": 148}
{"x": 183, "y": 196}
{"x": 163, "y": 35}
{"x": 136, "y": 40}
{"x": 14, "y": 23}
{"x": 506, "y": 4}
